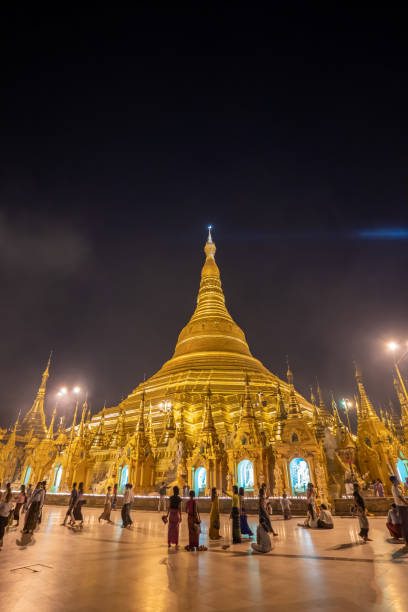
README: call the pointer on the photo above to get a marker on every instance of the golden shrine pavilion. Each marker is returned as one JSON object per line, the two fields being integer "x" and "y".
{"x": 212, "y": 416}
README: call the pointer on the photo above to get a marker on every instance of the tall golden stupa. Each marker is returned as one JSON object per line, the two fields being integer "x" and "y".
{"x": 212, "y": 416}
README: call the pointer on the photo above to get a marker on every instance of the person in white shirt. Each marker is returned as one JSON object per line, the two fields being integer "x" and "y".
{"x": 128, "y": 498}
{"x": 285, "y": 505}
{"x": 325, "y": 519}
{"x": 402, "y": 505}
{"x": 6, "y": 506}
{"x": 394, "y": 522}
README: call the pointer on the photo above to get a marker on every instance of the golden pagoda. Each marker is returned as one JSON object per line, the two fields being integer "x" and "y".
{"x": 212, "y": 416}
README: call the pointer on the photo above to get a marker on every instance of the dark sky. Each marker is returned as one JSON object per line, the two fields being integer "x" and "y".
{"x": 123, "y": 135}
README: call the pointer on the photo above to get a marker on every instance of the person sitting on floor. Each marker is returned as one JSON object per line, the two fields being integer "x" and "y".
{"x": 394, "y": 522}
{"x": 325, "y": 519}
{"x": 263, "y": 541}
{"x": 285, "y": 505}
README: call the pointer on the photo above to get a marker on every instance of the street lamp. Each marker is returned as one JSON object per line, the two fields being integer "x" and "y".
{"x": 393, "y": 346}
{"x": 347, "y": 404}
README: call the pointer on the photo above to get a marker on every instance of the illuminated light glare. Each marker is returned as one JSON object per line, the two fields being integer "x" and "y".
{"x": 76, "y": 389}
{"x": 59, "y": 394}
{"x": 63, "y": 391}
{"x": 392, "y": 346}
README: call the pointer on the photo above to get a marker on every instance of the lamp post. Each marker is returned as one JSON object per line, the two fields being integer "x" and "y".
{"x": 165, "y": 406}
{"x": 393, "y": 346}
{"x": 65, "y": 393}
{"x": 347, "y": 404}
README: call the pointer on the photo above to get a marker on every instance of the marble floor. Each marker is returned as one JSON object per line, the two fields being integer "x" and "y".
{"x": 104, "y": 567}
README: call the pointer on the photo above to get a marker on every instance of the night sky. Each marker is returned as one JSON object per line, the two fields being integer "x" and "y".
{"x": 123, "y": 135}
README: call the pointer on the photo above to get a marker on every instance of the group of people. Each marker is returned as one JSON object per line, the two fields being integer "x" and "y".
{"x": 238, "y": 517}
{"x": 397, "y": 520}
{"x": 28, "y": 501}
{"x": 76, "y": 502}
{"x": 321, "y": 519}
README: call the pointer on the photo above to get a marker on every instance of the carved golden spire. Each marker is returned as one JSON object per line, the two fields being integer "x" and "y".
{"x": 141, "y": 421}
{"x": 34, "y": 420}
{"x": 74, "y": 422}
{"x": 208, "y": 436}
{"x": 50, "y": 432}
{"x": 281, "y": 412}
{"x": 99, "y": 439}
{"x": 208, "y": 422}
{"x": 16, "y": 424}
{"x": 294, "y": 408}
{"x": 82, "y": 423}
{"x": 150, "y": 429}
{"x": 337, "y": 420}
{"x": 317, "y": 420}
{"x": 312, "y": 396}
{"x": 247, "y": 413}
{"x": 366, "y": 407}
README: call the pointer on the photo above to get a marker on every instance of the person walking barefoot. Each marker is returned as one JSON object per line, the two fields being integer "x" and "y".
{"x": 263, "y": 515}
{"x": 214, "y": 530}
{"x": 71, "y": 504}
{"x": 174, "y": 518}
{"x": 114, "y": 497}
{"x": 402, "y": 504}
{"x": 194, "y": 521}
{"x": 77, "y": 509}
{"x": 235, "y": 517}
{"x": 6, "y": 506}
{"x": 20, "y": 501}
{"x": 360, "y": 510}
{"x": 245, "y": 528}
{"x": 107, "y": 507}
{"x": 127, "y": 504}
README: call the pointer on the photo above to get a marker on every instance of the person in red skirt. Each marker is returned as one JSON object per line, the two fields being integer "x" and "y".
{"x": 174, "y": 517}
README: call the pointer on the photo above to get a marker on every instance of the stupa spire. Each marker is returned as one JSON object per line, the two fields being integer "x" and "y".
{"x": 150, "y": 429}
{"x": 34, "y": 420}
{"x": 337, "y": 420}
{"x": 74, "y": 421}
{"x": 208, "y": 422}
{"x": 211, "y": 328}
{"x": 294, "y": 408}
{"x": 209, "y": 239}
{"x": 208, "y": 436}
{"x": 281, "y": 412}
{"x": 317, "y": 420}
{"x": 366, "y": 407}
{"x": 141, "y": 421}
{"x": 50, "y": 432}
{"x": 247, "y": 412}
{"x": 82, "y": 423}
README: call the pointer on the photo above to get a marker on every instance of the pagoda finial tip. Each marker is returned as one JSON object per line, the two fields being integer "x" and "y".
{"x": 209, "y": 239}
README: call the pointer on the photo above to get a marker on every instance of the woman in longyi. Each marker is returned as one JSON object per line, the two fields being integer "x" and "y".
{"x": 214, "y": 531}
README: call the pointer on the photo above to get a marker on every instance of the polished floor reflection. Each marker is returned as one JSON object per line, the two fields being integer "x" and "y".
{"x": 104, "y": 567}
